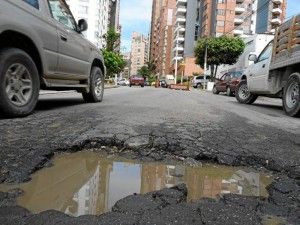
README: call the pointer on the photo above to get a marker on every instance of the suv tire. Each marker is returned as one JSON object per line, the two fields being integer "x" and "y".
{"x": 228, "y": 91}
{"x": 19, "y": 83}
{"x": 96, "y": 86}
{"x": 243, "y": 95}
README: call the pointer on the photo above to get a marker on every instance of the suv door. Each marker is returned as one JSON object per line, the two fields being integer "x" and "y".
{"x": 74, "y": 50}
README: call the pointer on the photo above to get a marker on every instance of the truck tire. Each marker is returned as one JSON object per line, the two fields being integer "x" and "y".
{"x": 19, "y": 83}
{"x": 291, "y": 95}
{"x": 243, "y": 95}
{"x": 96, "y": 86}
{"x": 215, "y": 91}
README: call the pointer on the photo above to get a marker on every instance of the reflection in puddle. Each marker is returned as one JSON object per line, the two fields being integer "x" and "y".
{"x": 273, "y": 220}
{"x": 88, "y": 183}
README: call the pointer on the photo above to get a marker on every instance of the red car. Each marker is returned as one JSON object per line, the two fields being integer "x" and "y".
{"x": 227, "y": 83}
{"x": 136, "y": 80}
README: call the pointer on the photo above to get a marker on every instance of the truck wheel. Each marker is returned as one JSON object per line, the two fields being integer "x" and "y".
{"x": 198, "y": 85}
{"x": 215, "y": 91}
{"x": 96, "y": 86}
{"x": 142, "y": 85}
{"x": 291, "y": 95}
{"x": 228, "y": 91}
{"x": 19, "y": 83}
{"x": 243, "y": 95}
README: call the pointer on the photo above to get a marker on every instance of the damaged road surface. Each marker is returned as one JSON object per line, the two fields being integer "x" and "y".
{"x": 158, "y": 125}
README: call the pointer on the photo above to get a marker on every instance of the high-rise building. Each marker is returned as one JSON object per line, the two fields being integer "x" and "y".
{"x": 100, "y": 15}
{"x": 240, "y": 17}
{"x": 139, "y": 52}
{"x": 162, "y": 45}
{"x": 269, "y": 14}
{"x": 156, "y": 10}
{"x": 185, "y": 36}
{"x": 114, "y": 15}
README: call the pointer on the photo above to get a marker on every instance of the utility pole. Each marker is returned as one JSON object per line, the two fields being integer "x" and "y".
{"x": 176, "y": 55}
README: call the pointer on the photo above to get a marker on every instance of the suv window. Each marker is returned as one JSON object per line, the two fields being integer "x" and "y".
{"x": 62, "y": 14}
{"x": 33, "y": 3}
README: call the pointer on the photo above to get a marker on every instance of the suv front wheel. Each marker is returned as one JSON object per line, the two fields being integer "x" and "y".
{"x": 19, "y": 83}
{"x": 96, "y": 86}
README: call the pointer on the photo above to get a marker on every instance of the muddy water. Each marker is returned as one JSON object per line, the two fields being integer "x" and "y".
{"x": 88, "y": 183}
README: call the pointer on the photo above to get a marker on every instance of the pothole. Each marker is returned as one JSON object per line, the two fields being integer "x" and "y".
{"x": 88, "y": 183}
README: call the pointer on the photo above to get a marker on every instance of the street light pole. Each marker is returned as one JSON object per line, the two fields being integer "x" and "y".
{"x": 176, "y": 55}
{"x": 205, "y": 62}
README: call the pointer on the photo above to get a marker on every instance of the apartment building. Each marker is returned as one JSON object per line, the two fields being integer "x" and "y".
{"x": 156, "y": 10}
{"x": 185, "y": 35}
{"x": 98, "y": 14}
{"x": 163, "y": 42}
{"x": 269, "y": 14}
{"x": 139, "y": 52}
{"x": 240, "y": 17}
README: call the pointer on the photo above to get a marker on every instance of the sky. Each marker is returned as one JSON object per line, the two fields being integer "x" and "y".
{"x": 135, "y": 15}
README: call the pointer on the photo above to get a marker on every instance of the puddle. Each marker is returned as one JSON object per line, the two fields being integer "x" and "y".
{"x": 273, "y": 220}
{"x": 88, "y": 183}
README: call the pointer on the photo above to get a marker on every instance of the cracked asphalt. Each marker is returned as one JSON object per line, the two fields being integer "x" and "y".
{"x": 151, "y": 124}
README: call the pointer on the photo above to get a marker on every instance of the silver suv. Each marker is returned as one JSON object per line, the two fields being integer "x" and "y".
{"x": 42, "y": 47}
{"x": 198, "y": 81}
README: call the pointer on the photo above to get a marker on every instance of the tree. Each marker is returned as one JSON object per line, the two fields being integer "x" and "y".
{"x": 114, "y": 63}
{"x": 147, "y": 70}
{"x": 112, "y": 39}
{"x": 221, "y": 50}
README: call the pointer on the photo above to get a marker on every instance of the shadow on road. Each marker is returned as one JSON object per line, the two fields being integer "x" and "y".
{"x": 49, "y": 104}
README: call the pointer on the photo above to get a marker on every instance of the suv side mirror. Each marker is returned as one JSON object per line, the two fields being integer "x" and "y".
{"x": 82, "y": 25}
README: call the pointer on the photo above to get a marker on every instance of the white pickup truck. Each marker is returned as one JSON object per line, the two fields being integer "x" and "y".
{"x": 42, "y": 47}
{"x": 276, "y": 70}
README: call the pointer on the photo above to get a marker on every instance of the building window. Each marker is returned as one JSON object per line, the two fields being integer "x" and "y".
{"x": 220, "y": 23}
{"x": 221, "y": 1}
{"x": 221, "y": 12}
{"x": 83, "y": 9}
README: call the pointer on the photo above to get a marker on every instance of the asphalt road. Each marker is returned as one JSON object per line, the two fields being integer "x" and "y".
{"x": 191, "y": 125}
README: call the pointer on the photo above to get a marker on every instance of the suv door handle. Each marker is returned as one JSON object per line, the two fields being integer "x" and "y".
{"x": 264, "y": 65}
{"x": 63, "y": 37}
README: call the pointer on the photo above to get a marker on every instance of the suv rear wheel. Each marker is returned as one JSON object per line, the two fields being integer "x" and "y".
{"x": 19, "y": 83}
{"x": 96, "y": 86}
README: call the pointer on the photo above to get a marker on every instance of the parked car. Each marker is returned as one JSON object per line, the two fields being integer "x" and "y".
{"x": 198, "y": 81}
{"x": 136, "y": 80}
{"x": 227, "y": 83}
{"x": 162, "y": 82}
{"x": 123, "y": 81}
{"x": 42, "y": 47}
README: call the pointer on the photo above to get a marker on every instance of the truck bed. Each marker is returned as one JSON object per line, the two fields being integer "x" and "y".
{"x": 286, "y": 49}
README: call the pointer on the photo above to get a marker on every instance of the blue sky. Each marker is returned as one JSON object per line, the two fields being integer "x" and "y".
{"x": 135, "y": 15}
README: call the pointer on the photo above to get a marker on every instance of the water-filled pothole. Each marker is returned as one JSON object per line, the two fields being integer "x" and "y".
{"x": 88, "y": 183}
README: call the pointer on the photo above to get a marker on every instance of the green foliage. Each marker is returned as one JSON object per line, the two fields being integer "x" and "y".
{"x": 112, "y": 39}
{"x": 147, "y": 70}
{"x": 114, "y": 63}
{"x": 221, "y": 50}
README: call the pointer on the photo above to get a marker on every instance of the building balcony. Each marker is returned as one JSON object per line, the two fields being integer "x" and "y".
{"x": 181, "y": 29}
{"x": 179, "y": 48}
{"x": 238, "y": 21}
{"x": 238, "y": 32}
{"x": 181, "y": 2}
{"x": 277, "y": 11}
{"x": 276, "y": 21}
{"x": 180, "y": 20}
{"x": 239, "y": 1}
{"x": 240, "y": 9}
{"x": 278, "y": 2}
{"x": 181, "y": 11}
{"x": 178, "y": 58}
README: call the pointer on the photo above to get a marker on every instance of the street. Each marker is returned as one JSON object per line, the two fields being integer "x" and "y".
{"x": 159, "y": 124}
